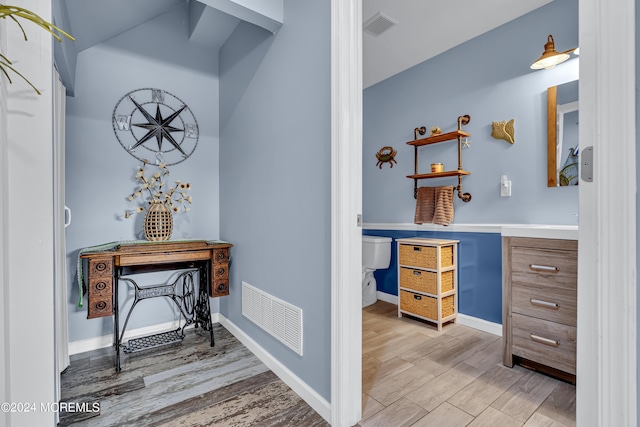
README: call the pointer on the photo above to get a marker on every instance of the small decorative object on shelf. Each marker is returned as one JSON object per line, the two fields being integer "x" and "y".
{"x": 386, "y": 154}
{"x": 163, "y": 202}
{"x": 437, "y": 167}
{"x": 504, "y": 130}
{"x": 435, "y": 130}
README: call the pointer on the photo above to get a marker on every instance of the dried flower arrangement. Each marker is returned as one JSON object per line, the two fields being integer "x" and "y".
{"x": 12, "y": 12}
{"x": 175, "y": 198}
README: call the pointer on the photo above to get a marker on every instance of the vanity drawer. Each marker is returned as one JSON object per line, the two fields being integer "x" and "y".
{"x": 555, "y": 303}
{"x": 545, "y": 342}
{"x": 544, "y": 266}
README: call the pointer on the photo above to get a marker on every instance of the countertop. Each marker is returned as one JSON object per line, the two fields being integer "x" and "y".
{"x": 567, "y": 232}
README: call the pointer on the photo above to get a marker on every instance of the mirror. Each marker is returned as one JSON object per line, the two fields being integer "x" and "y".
{"x": 562, "y": 135}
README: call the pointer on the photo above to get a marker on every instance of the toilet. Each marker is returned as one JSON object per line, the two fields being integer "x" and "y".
{"x": 376, "y": 253}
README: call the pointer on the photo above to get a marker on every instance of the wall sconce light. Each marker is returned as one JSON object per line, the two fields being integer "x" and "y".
{"x": 550, "y": 58}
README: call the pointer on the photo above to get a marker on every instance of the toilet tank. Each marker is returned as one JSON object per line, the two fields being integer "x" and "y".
{"x": 376, "y": 252}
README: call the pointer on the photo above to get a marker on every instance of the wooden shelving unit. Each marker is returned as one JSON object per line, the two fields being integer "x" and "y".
{"x": 456, "y": 135}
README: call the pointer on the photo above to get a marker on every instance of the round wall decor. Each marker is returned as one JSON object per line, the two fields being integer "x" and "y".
{"x": 155, "y": 126}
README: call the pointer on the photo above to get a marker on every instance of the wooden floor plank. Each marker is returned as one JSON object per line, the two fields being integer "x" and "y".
{"x": 484, "y": 390}
{"x": 522, "y": 399}
{"x": 190, "y": 383}
{"x": 445, "y": 415}
{"x": 399, "y": 385}
{"x": 436, "y": 391}
{"x": 560, "y": 405}
{"x": 491, "y": 417}
{"x": 401, "y": 413}
{"x": 539, "y": 420}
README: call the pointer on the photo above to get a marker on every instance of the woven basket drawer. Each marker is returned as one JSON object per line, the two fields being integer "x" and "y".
{"x": 425, "y": 306}
{"x": 545, "y": 342}
{"x": 425, "y": 256}
{"x": 425, "y": 281}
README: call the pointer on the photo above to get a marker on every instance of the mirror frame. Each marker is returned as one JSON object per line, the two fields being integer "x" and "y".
{"x": 553, "y": 111}
{"x": 552, "y": 136}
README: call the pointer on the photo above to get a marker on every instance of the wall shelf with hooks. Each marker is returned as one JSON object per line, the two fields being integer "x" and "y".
{"x": 456, "y": 135}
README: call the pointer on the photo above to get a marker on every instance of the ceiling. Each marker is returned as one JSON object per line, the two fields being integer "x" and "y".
{"x": 427, "y": 28}
{"x": 424, "y": 28}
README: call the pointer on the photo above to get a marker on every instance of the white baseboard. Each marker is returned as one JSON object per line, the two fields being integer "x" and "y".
{"x": 463, "y": 319}
{"x": 480, "y": 324}
{"x": 95, "y": 343}
{"x": 317, "y": 402}
{"x": 383, "y": 296}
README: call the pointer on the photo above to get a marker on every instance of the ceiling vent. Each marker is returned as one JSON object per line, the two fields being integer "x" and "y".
{"x": 378, "y": 24}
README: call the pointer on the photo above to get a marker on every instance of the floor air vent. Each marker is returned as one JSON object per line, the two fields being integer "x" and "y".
{"x": 277, "y": 317}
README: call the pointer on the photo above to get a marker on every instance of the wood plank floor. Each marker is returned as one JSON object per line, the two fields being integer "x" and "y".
{"x": 413, "y": 375}
{"x": 188, "y": 384}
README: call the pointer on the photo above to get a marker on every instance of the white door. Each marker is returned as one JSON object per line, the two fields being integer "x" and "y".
{"x": 60, "y": 219}
{"x": 606, "y": 371}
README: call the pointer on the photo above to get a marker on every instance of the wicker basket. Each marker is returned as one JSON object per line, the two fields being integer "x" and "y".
{"x": 425, "y": 281}
{"x": 426, "y": 256}
{"x": 424, "y": 306}
{"x": 158, "y": 222}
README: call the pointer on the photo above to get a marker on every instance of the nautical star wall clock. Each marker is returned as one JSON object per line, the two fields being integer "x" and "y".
{"x": 155, "y": 126}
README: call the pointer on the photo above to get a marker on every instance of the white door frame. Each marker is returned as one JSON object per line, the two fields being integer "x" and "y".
{"x": 346, "y": 205}
{"x": 606, "y": 391}
{"x": 606, "y": 386}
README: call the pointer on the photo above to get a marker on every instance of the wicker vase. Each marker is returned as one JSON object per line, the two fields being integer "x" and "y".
{"x": 158, "y": 222}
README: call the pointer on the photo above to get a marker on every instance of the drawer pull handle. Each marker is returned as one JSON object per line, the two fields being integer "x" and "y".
{"x": 545, "y": 341}
{"x": 418, "y": 297}
{"x": 545, "y": 304}
{"x": 417, "y": 248}
{"x": 545, "y": 268}
{"x": 417, "y": 273}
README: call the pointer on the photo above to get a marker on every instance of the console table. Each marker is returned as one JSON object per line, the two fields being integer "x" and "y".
{"x": 108, "y": 265}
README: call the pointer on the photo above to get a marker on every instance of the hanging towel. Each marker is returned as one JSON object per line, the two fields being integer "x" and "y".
{"x": 425, "y": 205}
{"x": 444, "y": 205}
{"x": 434, "y": 205}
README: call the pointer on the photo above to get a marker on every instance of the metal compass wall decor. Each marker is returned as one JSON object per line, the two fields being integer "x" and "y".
{"x": 155, "y": 126}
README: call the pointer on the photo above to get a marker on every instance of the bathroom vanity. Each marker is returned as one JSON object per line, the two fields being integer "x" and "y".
{"x": 540, "y": 299}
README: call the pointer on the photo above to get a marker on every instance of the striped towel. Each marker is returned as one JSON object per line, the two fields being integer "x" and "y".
{"x": 434, "y": 205}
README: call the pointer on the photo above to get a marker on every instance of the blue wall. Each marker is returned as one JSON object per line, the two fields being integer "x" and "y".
{"x": 275, "y": 192}
{"x": 488, "y": 78}
{"x": 479, "y": 270}
{"x": 100, "y": 174}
